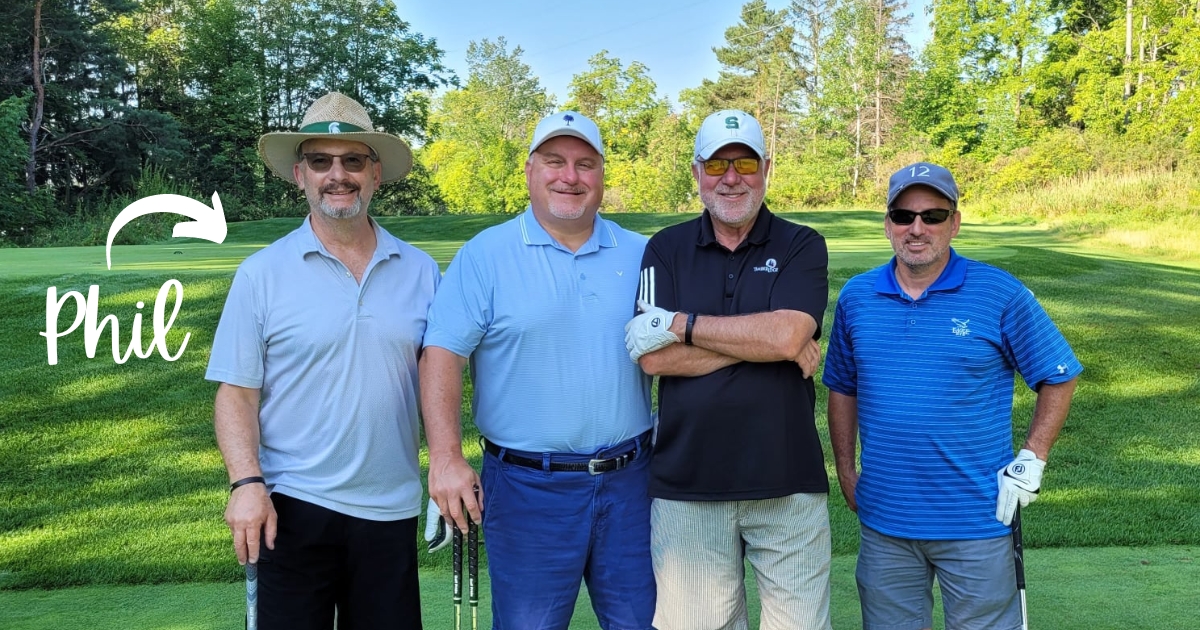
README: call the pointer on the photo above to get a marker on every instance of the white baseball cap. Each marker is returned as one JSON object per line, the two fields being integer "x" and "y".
{"x": 567, "y": 123}
{"x": 727, "y": 127}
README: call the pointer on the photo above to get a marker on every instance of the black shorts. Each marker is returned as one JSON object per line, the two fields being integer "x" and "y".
{"x": 324, "y": 560}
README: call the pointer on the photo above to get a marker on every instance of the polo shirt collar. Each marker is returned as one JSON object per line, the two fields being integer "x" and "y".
{"x": 952, "y": 277}
{"x": 759, "y": 234}
{"x": 532, "y": 233}
{"x": 308, "y": 243}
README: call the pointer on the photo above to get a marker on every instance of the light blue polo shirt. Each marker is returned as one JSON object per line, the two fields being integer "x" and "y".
{"x": 934, "y": 382}
{"x": 336, "y": 363}
{"x": 544, "y": 329}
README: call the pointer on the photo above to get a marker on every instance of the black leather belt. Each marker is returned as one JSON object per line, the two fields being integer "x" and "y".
{"x": 594, "y": 466}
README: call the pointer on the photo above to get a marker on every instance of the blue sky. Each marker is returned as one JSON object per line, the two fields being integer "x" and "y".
{"x": 673, "y": 38}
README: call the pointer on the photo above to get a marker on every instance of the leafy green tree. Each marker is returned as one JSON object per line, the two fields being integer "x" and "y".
{"x": 991, "y": 47}
{"x": 761, "y": 71}
{"x": 871, "y": 60}
{"x": 623, "y": 101}
{"x": 481, "y": 131}
{"x": 648, "y": 149}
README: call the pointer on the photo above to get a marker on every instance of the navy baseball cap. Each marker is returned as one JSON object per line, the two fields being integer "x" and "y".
{"x": 923, "y": 174}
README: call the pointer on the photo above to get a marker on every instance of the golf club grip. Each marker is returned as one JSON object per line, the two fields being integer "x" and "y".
{"x": 251, "y": 596}
{"x": 473, "y": 563}
{"x": 1018, "y": 550}
{"x": 457, "y": 560}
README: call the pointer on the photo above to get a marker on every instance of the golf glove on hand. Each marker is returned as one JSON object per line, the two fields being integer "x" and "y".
{"x": 1019, "y": 483}
{"x": 649, "y": 331}
{"x": 437, "y": 529}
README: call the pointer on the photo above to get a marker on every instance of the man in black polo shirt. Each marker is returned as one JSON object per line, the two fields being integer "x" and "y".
{"x": 732, "y": 302}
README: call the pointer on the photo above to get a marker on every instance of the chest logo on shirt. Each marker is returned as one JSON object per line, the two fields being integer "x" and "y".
{"x": 769, "y": 267}
{"x": 960, "y": 327}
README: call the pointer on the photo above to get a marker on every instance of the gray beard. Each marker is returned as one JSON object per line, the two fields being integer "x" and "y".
{"x": 342, "y": 213}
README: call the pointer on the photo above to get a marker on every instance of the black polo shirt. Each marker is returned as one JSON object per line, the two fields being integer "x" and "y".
{"x": 745, "y": 431}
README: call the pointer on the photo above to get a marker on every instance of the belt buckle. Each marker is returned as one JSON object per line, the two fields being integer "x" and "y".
{"x": 592, "y": 466}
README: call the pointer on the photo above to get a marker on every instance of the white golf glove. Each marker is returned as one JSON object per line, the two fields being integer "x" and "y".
{"x": 1019, "y": 483}
{"x": 649, "y": 331}
{"x": 437, "y": 530}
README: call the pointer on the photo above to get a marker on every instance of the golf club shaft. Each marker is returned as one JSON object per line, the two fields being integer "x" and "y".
{"x": 457, "y": 560}
{"x": 1019, "y": 563}
{"x": 251, "y": 596}
{"x": 473, "y": 572}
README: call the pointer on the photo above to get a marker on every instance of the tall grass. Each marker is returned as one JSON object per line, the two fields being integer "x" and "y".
{"x": 90, "y": 225}
{"x": 1148, "y": 211}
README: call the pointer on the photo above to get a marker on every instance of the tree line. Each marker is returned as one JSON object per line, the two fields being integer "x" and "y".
{"x": 104, "y": 101}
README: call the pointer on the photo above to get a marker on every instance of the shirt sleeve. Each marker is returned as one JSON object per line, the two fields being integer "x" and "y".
{"x": 1034, "y": 345}
{"x": 462, "y": 307}
{"x": 656, "y": 284}
{"x": 841, "y": 373}
{"x": 803, "y": 283}
{"x": 239, "y": 346}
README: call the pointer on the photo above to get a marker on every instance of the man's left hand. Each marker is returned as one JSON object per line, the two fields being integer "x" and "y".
{"x": 1019, "y": 483}
{"x": 649, "y": 331}
{"x": 809, "y": 358}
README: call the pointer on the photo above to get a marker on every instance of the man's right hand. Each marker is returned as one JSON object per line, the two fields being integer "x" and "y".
{"x": 452, "y": 485}
{"x": 249, "y": 515}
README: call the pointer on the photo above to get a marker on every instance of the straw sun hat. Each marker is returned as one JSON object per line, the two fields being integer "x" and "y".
{"x": 340, "y": 117}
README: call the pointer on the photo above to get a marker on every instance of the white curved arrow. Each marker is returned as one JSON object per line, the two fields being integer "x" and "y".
{"x": 209, "y": 222}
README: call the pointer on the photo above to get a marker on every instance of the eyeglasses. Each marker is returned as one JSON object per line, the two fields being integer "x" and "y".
{"x": 743, "y": 166}
{"x": 352, "y": 162}
{"x": 935, "y": 216}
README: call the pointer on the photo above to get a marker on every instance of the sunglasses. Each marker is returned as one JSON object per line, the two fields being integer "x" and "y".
{"x": 351, "y": 162}
{"x": 743, "y": 166}
{"x": 935, "y": 216}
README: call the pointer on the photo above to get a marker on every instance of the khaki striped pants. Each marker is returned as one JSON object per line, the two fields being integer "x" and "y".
{"x": 700, "y": 548}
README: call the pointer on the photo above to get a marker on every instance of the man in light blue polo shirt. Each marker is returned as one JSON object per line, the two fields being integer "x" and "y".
{"x": 920, "y": 370}
{"x": 538, "y": 306}
{"x": 316, "y": 413}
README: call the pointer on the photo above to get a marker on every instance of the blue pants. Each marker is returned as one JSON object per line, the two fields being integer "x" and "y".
{"x": 546, "y": 531}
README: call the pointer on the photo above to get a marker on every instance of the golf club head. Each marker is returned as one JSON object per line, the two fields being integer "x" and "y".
{"x": 441, "y": 537}
{"x": 437, "y": 530}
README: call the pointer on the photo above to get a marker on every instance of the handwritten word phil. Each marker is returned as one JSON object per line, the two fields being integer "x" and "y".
{"x": 86, "y": 312}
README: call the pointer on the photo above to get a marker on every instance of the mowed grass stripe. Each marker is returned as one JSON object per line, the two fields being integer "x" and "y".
{"x": 1068, "y": 589}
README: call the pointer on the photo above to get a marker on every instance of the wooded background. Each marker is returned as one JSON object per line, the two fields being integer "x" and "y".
{"x": 106, "y": 101}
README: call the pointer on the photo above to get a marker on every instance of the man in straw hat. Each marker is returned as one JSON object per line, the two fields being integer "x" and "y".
{"x": 316, "y": 413}
{"x": 537, "y": 305}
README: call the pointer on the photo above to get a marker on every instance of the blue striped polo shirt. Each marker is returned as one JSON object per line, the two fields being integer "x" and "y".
{"x": 934, "y": 383}
{"x": 544, "y": 328}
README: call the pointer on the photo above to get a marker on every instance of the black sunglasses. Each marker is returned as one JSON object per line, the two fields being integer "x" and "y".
{"x": 900, "y": 216}
{"x": 351, "y": 162}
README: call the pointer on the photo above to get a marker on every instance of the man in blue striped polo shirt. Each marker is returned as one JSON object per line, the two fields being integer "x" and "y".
{"x": 538, "y": 306}
{"x": 920, "y": 370}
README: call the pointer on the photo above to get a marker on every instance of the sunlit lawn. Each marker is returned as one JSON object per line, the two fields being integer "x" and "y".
{"x": 109, "y": 474}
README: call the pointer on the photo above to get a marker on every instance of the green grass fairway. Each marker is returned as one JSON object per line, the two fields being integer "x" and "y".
{"x": 110, "y": 478}
{"x": 1068, "y": 589}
